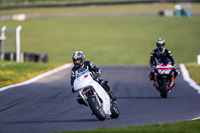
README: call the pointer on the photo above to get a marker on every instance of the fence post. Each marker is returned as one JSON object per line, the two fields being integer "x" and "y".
{"x": 18, "y": 29}
{"x": 198, "y": 59}
{"x": 3, "y": 37}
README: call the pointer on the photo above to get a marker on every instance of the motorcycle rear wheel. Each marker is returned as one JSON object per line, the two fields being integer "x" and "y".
{"x": 97, "y": 110}
{"x": 114, "y": 111}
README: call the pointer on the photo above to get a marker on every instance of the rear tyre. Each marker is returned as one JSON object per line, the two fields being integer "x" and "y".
{"x": 164, "y": 90}
{"x": 114, "y": 111}
{"x": 97, "y": 110}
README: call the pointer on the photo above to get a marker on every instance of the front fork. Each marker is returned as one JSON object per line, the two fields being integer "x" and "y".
{"x": 156, "y": 82}
{"x": 84, "y": 97}
{"x": 98, "y": 99}
{"x": 157, "y": 85}
{"x": 172, "y": 81}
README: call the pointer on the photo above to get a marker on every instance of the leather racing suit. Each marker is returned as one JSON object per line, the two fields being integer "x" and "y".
{"x": 155, "y": 56}
{"x": 92, "y": 68}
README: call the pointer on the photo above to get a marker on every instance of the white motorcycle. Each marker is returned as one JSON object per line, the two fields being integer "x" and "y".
{"x": 94, "y": 95}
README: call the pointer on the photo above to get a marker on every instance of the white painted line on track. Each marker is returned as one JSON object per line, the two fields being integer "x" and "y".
{"x": 187, "y": 78}
{"x": 195, "y": 118}
{"x": 66, "y": 66}
{"x": 191, "y": 82}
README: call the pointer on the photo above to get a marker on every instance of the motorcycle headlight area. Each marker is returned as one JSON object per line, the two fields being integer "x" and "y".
{"x": 87, "y": 89}
{"x": 164, "y": 71}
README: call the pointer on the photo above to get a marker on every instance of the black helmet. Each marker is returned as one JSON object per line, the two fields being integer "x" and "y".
{"x": 78, "y": 55}
{"x": 160, "y": 43}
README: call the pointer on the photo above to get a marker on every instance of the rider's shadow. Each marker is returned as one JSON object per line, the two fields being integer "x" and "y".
{"x": 52, "y": 121}
{"x": 140, "y": 97}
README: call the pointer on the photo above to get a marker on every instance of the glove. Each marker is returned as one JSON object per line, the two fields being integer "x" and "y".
{"x": 174, "y": 66}
{"x": 73, "y": 90}
{"x": 96, "y": 76}
{"x": 153, "y": 69}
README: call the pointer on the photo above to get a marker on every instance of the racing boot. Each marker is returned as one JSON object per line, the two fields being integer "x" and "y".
{"x": 80, "y": 100}
{"x": 151, "y": 76}
{"x": 107, "y": 88}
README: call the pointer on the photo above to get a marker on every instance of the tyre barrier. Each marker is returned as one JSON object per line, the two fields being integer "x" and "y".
{"x": 27, "y": 57}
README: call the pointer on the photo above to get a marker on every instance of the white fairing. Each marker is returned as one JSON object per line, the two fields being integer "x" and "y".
{"x": 82, "y": 81}
{"x": 87, "y": 80}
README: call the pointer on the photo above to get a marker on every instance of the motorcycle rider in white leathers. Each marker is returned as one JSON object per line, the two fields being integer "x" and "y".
{"x": 79, "y": 62}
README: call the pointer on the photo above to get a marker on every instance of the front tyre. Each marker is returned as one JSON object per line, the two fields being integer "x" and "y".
{"x": 97, "y": 110}
{"x": 114, "y": 111}
{"x": 164, "y": 88}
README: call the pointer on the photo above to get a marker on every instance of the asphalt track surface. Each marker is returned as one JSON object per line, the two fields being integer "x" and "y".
{"x": 48, "y": 105}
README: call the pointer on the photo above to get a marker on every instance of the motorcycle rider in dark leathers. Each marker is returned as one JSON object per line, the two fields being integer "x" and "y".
{"x": 158, "y": 53}
{"x": 79, "y": 62}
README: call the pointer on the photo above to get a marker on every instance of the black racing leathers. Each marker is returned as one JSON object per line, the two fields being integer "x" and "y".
{"x": 156, "y": 55}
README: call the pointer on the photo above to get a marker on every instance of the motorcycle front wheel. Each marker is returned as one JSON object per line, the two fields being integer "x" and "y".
{"x": 97, "y": 110}
{"x": 164, "y": 88}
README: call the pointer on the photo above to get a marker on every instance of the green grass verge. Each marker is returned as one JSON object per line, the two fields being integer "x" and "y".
{"x": 50, "y": 2}
{"x": 194, "y": 70}
{"x": 177, "y": 127}
{"x": 109, "y": 40}
{"x": 106, "y": 39}
{"x": 134, "y": 8}
{"x": 7, "y": 3}
{"x": 12, "y": 72}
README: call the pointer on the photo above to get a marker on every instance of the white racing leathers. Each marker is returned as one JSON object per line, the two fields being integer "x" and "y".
{"x": 86, "y": 80}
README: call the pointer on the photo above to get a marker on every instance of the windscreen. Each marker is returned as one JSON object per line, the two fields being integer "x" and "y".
{"x": 80, "y": 72}
{"x": 164, "y": 61}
